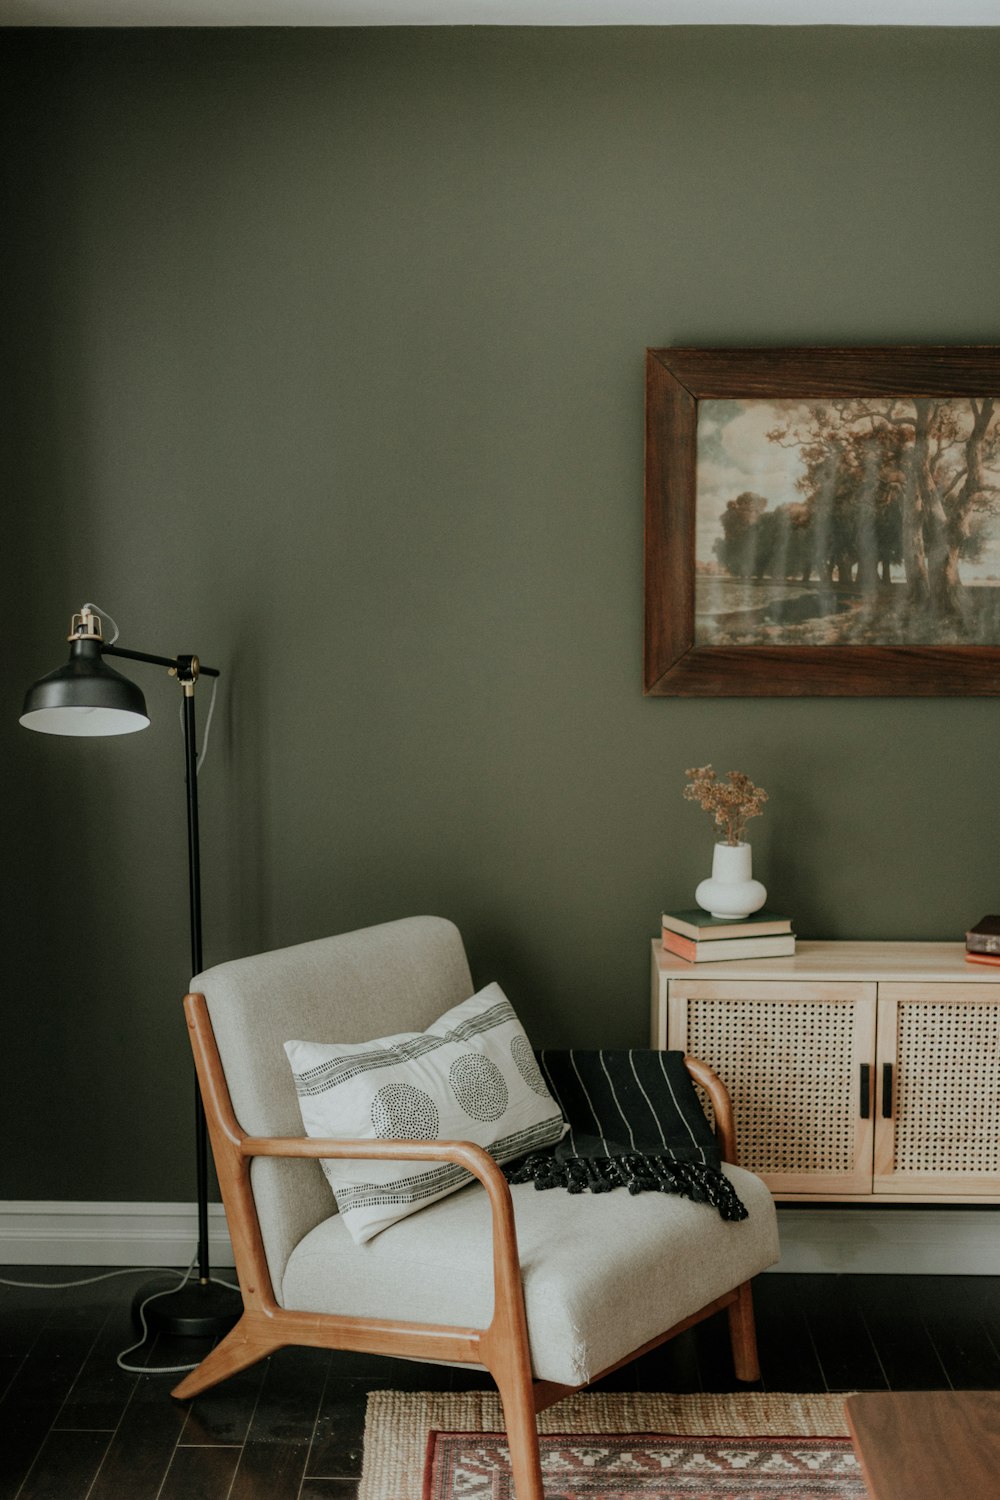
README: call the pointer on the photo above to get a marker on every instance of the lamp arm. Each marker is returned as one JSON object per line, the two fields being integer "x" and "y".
{"x": 156, "y": 661}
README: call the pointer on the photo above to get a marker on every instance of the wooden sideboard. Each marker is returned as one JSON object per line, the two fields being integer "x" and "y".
{"x": 859, "y": 1071}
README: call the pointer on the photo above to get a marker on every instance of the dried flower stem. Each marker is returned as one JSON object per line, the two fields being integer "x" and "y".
{"x": 732, "y": 804}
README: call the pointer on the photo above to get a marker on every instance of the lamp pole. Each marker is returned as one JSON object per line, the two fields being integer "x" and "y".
{"x": 89, "y": 698}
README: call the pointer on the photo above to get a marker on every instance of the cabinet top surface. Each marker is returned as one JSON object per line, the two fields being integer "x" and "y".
{"x": 930, "y": 962}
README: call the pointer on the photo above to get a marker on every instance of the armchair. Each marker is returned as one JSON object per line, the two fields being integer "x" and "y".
{"x": 546, "y": 1290}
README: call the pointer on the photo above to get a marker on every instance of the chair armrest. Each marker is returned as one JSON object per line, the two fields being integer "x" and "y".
{"x": 508, "y": 1297}
{"x": 463, "y": 1153}
{"x": 722, "y": 1106}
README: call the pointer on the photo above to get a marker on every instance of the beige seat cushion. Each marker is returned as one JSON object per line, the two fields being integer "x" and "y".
{"x": 603, "y": 1273}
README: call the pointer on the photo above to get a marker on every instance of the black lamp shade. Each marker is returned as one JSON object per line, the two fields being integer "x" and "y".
{"x": 85, "y": 697}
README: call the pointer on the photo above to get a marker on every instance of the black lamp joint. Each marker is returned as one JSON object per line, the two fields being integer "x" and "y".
{"x": 187, "y": 669}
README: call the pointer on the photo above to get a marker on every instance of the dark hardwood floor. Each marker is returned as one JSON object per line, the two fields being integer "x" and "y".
{"x": 74, "y": 1427}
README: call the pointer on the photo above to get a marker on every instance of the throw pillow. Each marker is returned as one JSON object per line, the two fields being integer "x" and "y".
{"x": 471, "y": 1076}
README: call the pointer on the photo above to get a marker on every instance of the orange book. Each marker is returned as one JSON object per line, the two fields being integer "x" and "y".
{"x": 991, "y": 960}
{"x": 779, "y": 946}
{"x": 682, "y": 946}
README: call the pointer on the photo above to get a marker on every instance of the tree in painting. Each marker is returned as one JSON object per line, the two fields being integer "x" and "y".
{"x": 894, "y": 496}
{"x": 890, "y": 481}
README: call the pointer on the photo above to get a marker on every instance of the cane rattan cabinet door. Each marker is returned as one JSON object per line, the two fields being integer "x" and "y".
{"x": 796, "y": 1057}
{"x": 938, "y": 1089}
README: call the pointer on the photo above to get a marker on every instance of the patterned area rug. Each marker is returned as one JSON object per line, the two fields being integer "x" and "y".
{"x": 604, "y": 1446}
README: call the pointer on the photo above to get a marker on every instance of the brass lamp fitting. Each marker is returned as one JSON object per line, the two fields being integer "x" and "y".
{"x": 86, "y": 626}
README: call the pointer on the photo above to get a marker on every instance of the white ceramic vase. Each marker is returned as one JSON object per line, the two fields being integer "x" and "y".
{"x": 732, "y": 891}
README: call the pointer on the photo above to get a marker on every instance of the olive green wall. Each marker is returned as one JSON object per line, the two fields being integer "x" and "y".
{"x": 325, "y": 360}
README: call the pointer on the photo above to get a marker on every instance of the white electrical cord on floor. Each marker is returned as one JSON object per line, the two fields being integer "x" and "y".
{"x": 185, "y": 1276}
{"x": 160, "y": 1369}
{"x": 58, "y": 1286}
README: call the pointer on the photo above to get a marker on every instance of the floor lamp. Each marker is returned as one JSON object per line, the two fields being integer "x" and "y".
{"x": 87, "y": 697}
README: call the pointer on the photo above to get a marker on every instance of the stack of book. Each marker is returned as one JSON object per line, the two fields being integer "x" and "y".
{"x": 982, "y": 942}
{"x": 700, "y": 939}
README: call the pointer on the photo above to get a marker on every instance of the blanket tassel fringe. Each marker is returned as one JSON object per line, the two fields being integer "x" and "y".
{"x": 640, "y": 1174}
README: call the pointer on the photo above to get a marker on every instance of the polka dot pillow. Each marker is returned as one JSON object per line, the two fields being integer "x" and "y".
{"x": 471, "y": 1076}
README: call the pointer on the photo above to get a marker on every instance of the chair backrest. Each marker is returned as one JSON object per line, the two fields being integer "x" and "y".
{"x": 399, "y": 976}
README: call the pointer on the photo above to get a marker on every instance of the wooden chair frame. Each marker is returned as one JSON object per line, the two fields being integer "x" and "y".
{"x": 502, "y": 1347}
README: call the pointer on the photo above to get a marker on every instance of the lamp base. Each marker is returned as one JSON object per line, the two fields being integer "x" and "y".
{"x": 198, "y": 1309}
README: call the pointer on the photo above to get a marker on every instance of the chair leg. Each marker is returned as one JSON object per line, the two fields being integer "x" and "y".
{"x": 517, "y": 1399}
{"x": 743, "y": 1335}
{"x": 242, "y": 1346}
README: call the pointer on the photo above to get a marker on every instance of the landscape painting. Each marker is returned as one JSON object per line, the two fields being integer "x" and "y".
{"x": 855, "y": 521}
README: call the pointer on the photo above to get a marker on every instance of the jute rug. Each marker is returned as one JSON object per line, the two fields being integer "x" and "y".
{"x": 620, "y": 1446}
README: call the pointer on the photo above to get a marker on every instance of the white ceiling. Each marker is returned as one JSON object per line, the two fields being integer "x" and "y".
{"x": 499, "y": 12}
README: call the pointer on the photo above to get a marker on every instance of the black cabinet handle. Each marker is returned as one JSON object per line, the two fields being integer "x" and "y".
{"x": 887, "y": 1091}
{"x": 866, "y": 1091}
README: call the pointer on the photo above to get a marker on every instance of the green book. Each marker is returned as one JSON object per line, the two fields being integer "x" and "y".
{"x": 700, "y": 927}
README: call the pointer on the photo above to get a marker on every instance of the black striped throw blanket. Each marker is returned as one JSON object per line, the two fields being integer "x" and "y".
{"x": 634, "y": 1121}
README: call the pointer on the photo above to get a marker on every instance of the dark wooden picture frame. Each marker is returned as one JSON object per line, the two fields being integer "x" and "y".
{"x": 677, "y": 381}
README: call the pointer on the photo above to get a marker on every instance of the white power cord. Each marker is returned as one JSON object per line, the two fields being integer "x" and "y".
{"x": 200, "y": 754}
{"x": 59, "y": 1286}
{"x": 185, "y": 1276}
{"x": 104, "y": 616}
{"x": 160, "y": 1369}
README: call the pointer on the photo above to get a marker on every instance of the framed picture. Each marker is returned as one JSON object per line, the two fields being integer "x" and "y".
{"x": 822, "y": 522}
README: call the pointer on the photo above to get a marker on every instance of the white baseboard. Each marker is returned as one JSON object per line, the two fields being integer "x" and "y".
{"x": 905, "y": 1242}
{"x": 900, "y": 1241}
{"x": 36, "y": 1233}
